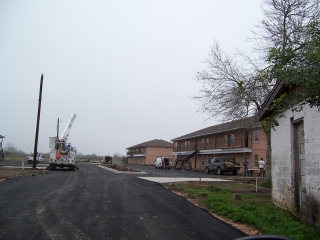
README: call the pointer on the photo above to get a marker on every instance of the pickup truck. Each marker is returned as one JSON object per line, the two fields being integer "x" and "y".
{"x": 222, "y": 165}
{"x": 38, "y": 159}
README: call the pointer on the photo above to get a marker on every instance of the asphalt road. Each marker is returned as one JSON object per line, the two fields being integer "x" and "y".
{"x": 94, "y": 203}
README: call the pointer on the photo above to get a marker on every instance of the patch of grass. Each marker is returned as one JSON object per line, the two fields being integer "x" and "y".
{"x": 254, "y": 208}
{"x": 266, "y": 183}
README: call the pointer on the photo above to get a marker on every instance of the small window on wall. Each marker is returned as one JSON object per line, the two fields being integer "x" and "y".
{"x": 233, "y": 138}
{"x": 256, "y": 135}
{"x": 229, "y": 139}
{"x": 226, "y": 140}
{"x": 256, "y": 160}
{"x": 187, "y": 144}
{"x": 205, "y": 142}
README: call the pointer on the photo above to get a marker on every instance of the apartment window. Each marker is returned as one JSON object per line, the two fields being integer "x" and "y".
{"x": 205, "y": 142}
{"x": 175, "y": 145}
{"x": 187, "y": 144}
{"x": 233, "y": 138}
{"x": 256, "y": 160}
{"x": 229, "y": 139}
{"x": 256, "y": 135}
{"x": 246, "y": 139}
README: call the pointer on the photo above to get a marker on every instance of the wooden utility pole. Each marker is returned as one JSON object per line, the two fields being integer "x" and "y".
{"x": 35, "y": 151}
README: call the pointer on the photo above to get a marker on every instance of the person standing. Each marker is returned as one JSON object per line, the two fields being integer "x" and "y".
{"x": 246, "y": 167}
{"x": 262, "y": 167}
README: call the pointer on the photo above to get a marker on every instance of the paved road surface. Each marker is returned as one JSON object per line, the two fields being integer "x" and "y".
{"x": 94, "y": 203}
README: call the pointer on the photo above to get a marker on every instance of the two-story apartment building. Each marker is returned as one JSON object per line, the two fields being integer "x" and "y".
{"x": 239, "y": 139}
{"x": 145, "y": 153}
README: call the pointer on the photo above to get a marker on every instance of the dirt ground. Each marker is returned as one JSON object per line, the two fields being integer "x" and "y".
{"x": 6, "y": 172}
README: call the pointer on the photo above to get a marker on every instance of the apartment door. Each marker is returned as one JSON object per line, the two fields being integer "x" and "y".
{"x": 300, "y": 167}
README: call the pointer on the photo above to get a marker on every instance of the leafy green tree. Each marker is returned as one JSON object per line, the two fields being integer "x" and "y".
{"x": 299, "y": 69}
{"x": 290, "y": 31}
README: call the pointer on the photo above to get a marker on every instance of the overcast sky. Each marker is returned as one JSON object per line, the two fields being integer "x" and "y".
{"x": 125, "y": 67}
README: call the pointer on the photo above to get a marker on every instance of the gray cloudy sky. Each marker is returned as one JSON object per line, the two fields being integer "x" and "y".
{"x": 125, "y": 67}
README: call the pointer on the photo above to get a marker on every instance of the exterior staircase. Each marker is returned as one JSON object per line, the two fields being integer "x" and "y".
{"x": 183, "y": 161}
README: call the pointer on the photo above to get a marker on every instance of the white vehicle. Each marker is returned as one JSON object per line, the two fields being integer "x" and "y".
{"x": 62, "y": 154}
{"x": 163, "y": 163}
{"x": 38, "y": 159}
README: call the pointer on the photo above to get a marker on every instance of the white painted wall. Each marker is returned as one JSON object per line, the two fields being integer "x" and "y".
{"x": 282, "y": 158}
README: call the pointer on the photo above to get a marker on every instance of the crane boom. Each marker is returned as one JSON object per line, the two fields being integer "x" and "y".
{"x": 67, "y": 129}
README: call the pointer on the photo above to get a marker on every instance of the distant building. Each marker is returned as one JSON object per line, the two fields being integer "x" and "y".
{"x": 239, "y": 139}
{"x": 145, "y": 153}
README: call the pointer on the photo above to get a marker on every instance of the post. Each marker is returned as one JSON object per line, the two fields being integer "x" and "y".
{"x": 35, "y": 151}
{"x": 58, "y": 129}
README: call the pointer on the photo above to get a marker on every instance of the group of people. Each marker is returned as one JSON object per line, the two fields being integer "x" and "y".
{"x": 261, "y": 166}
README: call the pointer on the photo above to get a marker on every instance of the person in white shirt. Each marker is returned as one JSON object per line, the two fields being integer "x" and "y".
{"x": 262, "y": 167}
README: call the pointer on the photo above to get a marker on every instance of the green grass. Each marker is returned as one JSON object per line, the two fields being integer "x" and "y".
{"x": 255, "y": 209}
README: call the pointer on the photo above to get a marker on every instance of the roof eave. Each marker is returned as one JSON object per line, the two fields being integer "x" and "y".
{"x": 276, "y": 91}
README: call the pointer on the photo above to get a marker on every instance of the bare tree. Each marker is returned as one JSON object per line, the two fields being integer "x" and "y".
{"x": 285, "y": 23}
{"x": 234, "y": 87}
{"x": 230, "y": 90}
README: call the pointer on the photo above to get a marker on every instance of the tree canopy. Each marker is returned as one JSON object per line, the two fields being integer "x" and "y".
{"x": 234, "y": 87}
{"x": 299, "y": 68}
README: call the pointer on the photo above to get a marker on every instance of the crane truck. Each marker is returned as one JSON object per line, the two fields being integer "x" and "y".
{"x": 62, "y": 153}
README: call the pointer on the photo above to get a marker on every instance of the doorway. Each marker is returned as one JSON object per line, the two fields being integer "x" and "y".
{"x": 299, "y": 166}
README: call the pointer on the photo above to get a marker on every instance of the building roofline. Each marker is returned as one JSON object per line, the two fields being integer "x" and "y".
{"x": 153, "y": 143}
{"x": 249, "y": 122}
{"x": 278, "y": 89}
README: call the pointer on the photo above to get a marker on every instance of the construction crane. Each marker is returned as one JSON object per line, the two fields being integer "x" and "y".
{"x": 62, "y": 153}
{"x": 67, "y": 129}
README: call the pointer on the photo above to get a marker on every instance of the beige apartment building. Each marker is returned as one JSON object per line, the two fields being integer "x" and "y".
{"x": 239, "y": 139}
{"x": 145, "y": 153}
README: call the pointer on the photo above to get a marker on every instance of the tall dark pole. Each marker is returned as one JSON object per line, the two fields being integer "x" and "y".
{"x": 35, "y": 151}
{"x": 58, "y": 129}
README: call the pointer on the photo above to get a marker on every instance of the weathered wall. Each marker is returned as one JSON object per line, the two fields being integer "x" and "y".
{"x": 281, "y": 164}
{"x": 312, "y": 142}
{"x": 283, "y": 161}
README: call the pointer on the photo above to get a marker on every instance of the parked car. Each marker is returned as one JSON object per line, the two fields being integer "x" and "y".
{"x": 38, "y": 159}
{"x": 163, "y": 163}
{"x": 221, "y": 165}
